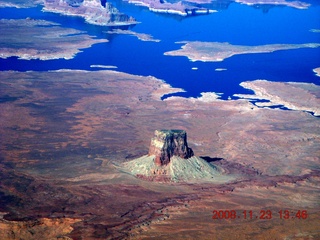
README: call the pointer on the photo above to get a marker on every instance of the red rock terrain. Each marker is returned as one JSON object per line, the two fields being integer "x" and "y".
{"x": 168, "y": 143}
{"x": 64, "y": 136}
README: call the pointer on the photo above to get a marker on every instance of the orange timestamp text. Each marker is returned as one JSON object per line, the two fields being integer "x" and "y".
{"x": 262, "y": 214}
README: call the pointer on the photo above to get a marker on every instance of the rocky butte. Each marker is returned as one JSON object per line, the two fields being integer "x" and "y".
{"x": 171, "y": 160}
{"x": 168, "y": 143}
{"x": 93, "y": 11}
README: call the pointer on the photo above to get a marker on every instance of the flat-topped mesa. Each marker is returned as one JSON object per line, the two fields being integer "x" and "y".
{"x": 168, "y": 143}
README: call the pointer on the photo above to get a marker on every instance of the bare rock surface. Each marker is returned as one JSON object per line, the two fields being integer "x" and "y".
{"x": 91, "y": 10}
{"x": 171, "y": 160}
{"x": 168, "y": 143}
{"x": 51, "y": 228}
{"x": 194, "y": 169}
{"x": 289, "y": 97}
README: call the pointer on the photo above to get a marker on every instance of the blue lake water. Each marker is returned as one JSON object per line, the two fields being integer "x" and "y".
{"x": 238, "y": 24}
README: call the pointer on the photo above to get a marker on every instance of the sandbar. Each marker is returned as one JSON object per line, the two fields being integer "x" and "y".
{"x": 103, "y": 66}
{"x": 315, "y": 30}
{"x": 220, "y": 69}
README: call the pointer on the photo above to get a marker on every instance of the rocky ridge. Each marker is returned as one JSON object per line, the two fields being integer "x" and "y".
{"x": 91, "y": 10}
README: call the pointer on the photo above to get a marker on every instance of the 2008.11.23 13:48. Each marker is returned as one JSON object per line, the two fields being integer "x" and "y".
{"x": 263, "y": 214}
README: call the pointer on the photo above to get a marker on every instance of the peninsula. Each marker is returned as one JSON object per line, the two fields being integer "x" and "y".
{"x": 26, "y": 39}
{"x": 285, "y": 94}
{"x": 198, "y": 7}
{"x": 317, "y": 71}
{"x": 183, "y": 8}
{"x": 218, "y": 51}
{"x": 294, "y": 4}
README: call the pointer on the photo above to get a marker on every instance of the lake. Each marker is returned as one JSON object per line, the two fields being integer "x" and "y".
{"x": 238, "y": 24}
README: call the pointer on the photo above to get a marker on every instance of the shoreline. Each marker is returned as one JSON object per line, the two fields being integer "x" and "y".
{"x": 90, "y": 20}
{"x": 175, "y": 9}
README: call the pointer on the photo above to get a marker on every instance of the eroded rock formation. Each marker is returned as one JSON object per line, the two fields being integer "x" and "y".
{"x": 171, "y": 160}
{"x": 93, "y": 11}
{"x": 168, "y": 143}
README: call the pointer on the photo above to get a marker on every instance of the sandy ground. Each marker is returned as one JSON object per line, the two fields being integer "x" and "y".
{"x": 65, "y": 135}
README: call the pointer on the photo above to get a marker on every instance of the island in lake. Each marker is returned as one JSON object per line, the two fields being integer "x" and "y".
{"x": 217, "y": 51}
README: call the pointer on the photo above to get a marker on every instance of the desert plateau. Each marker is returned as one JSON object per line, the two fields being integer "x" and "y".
{"x": 109, "y": 131}
{"x": 66, "y": 162}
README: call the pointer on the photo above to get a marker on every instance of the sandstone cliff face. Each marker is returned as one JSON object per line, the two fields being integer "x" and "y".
{"x": 93, "y": 11}
{"x": 168, "y": 143}
{"x": 171, "y": 160}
